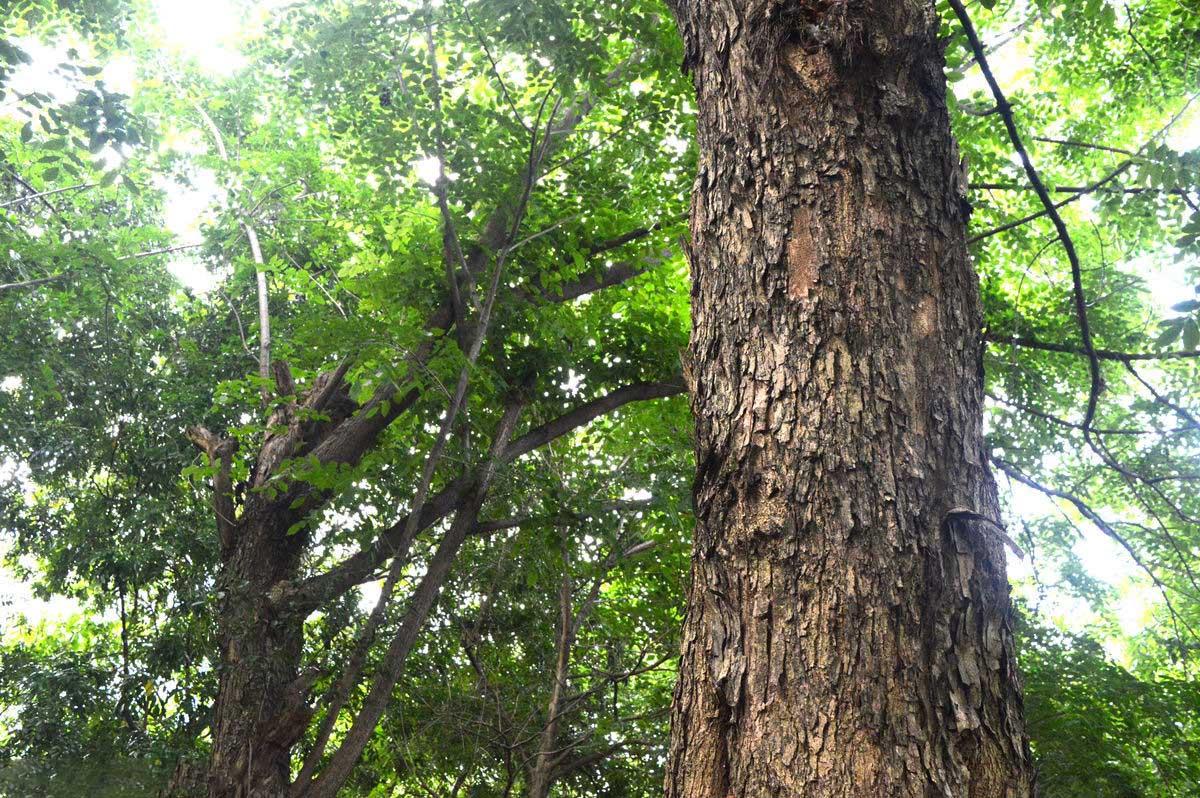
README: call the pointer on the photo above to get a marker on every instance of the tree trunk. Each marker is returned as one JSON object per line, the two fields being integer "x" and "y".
{"x": 541, "y": 776}
{"x": 848, "y": 632}
{"x": 253, "y": 728}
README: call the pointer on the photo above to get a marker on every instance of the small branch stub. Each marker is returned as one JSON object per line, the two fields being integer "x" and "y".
{"x": 963, "y": 514}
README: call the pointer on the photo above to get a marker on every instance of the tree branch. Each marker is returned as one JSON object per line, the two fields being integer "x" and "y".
{"x": 220, "y": 456}
{"x": 31, "y": 283}
{"x": 1102, "y": 354}
{"x": 1064, "y": 235}
{"x": 331, "y": 779}
{"x": 360, "y": 567}
{"x": 260, "y": 276}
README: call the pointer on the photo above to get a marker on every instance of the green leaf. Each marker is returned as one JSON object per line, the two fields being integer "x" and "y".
{"x": 1170, "y": 332}
{"x": 1191, "y": 334}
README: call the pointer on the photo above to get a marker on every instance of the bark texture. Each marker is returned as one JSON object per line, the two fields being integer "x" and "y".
{"x": 847, "y": 633}
{"x": 260, "y": 653}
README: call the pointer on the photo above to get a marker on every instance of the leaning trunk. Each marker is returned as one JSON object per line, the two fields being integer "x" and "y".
{"x": 848, "y": 630}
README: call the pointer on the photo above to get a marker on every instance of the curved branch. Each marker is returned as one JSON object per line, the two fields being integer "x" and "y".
{"x": 1064, "y": 235}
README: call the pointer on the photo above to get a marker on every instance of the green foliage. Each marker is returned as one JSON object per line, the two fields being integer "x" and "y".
{"x": 1101, "y": 731}
{"x": 333, "y": 131}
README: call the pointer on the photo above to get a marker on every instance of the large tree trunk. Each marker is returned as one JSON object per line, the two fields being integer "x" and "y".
{"x": 848, "y": 632}
{"x": 260, "y": 711}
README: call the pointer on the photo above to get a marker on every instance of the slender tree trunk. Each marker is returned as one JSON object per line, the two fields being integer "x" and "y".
{"x": 848, "y": 631}
{"x": 540, "y": 777}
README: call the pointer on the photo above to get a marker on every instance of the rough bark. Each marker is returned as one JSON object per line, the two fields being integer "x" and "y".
{"x": 848, "y": 631}
{"x": 260, "y": 654}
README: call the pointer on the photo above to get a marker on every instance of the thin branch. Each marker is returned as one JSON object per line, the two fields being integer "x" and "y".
{"x": 349, "y": 442}
{"x": 352, "y": 672}
{"x": 1103, "y": 354}
{"x": 237, "y": 317}
{"x": 1096, "y": 186}
{"x": 1081, "y": 189}
{"x": 495, "y": 69}
{"x": 34, "y": 193}
{"x": 1062, "y": 422}
{"x": 1087, "y": 512}
{"x": 41, "y": 194}
{"x": 1162, "y": 400}
{"x": 161, "y": 251}
{"x": 1085, "y": 145}
{"x": 1064, "y": 235}
{"x": 31, "y": 283}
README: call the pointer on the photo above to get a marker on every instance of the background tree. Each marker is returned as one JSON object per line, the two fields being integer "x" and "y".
{"x": 334, "y": 122}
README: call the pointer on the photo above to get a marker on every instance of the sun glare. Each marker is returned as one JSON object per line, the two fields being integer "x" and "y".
{"x": 205, "y": 31}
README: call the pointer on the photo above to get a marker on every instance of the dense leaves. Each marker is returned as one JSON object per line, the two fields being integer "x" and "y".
{"x": 373, "y": 148}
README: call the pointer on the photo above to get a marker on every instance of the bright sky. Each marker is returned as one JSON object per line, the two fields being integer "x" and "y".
{"x": 210, "y": 31}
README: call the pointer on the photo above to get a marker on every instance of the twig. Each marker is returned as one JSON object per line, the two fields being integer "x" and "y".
{"x": 41, "y": 194}
{"x": 1064, "y": 235}
{"x": 1103, "y": 354}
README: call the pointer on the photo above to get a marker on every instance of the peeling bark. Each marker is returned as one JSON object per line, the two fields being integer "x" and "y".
{"x": 848, "y": 631}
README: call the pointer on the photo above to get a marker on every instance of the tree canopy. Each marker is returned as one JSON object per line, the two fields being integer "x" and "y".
{"x": 470, "y": 217}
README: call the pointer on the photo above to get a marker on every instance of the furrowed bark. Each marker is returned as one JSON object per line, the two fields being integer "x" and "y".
{"x": 260, "y": 653}
{"x": 848, "y": 630}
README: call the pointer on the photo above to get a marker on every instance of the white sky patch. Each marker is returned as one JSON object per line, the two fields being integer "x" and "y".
{"x": 427, "y": 169}
{"x": 204, "y": 31}
{"x": 16, "y": 600}
{"x": 1101, "y": 556}
{"x": 368, "y": 595}
{"x": 1185, "y": 135}
{"x": 1166, "y": 279}
{"x": 120, "y": 74}
{"x": 40, "y": 75}
{"x": 187, "y": 208}
{"x": 1009, "y": 65}
{"x": 572, "y": 384}
{"x": 16, "y": 597}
